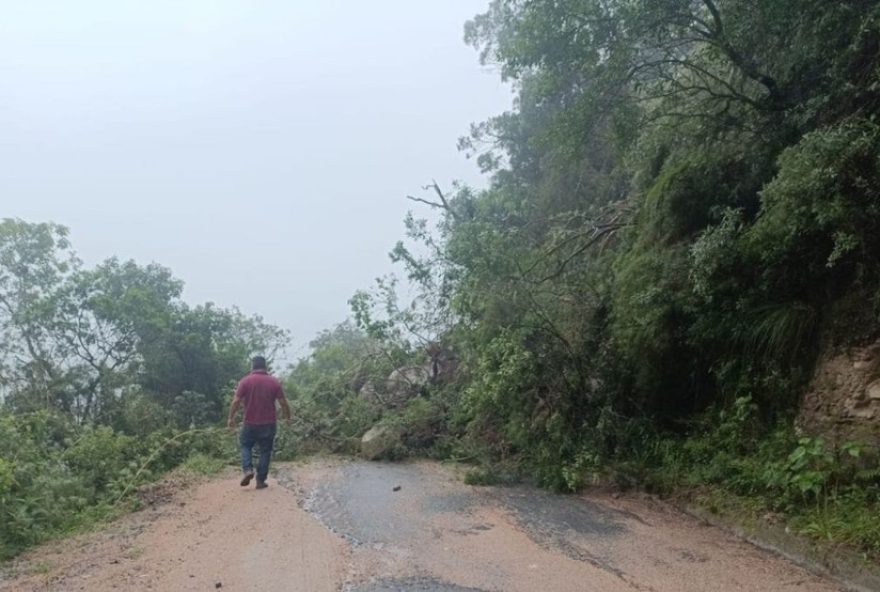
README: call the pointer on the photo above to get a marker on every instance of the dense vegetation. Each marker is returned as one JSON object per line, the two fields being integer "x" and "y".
{"x": 107, "y": 379}
{"x": 683, "y": 212}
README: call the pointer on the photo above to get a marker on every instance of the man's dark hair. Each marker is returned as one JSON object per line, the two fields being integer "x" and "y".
{"x": 258, "y": 363}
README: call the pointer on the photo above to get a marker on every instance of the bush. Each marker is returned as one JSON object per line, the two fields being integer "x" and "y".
{"x": 822, "y": 209}
{"x": 56, "y": 477}
{"x": 827, "y": 493}
{"x": 101, "y": 456}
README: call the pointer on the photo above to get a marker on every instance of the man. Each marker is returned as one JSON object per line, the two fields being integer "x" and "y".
{"x": 258, "y": 392}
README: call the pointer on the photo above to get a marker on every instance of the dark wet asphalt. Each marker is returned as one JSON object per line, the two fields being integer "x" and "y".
{"x": 410, "y": 585}
{"x": 359, "y": 503}
{"x": 356, "y": 504}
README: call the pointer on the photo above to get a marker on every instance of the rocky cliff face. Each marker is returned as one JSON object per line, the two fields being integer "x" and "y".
{"x": 843, "y": 401}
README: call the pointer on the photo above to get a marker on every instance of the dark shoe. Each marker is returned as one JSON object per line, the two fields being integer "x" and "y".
{"x": 246, "y": 480}
{"x": 262, "y": 485}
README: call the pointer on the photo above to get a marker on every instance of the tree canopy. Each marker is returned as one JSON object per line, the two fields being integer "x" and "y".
{"x": 92, "y": 342}
{"x": 682, "y": 210}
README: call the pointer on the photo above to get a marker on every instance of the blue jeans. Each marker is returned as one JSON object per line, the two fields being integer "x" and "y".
{"x": 262, "y": 435}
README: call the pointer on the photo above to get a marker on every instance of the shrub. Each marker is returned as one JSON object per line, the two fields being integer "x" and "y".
{"x": 55, "y": 476}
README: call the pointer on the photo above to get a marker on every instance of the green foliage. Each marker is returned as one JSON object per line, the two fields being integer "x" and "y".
{"x": 100, "y": 369}
{"x": 56, "y": 477}
{"x": 848, "y": 519}
{"x": 821, "y": 211}
{"x": 193, "y": 362}
{"x": 202, "y": 464}
{"x": 683, "y": 212}
{"x": 100, "y": 456}
{"x": 325, "y": 387}
{"x": 99, "y": 343}
{"x": 828, "y": 493}
{"x": 424, "y": 424}
{"x": 490, "y": 475}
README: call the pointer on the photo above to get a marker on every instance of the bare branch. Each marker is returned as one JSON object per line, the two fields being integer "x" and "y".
{"x": 425, "y": 201}
{"x": 746, "y": 65}
{"x": 443, "y": 205}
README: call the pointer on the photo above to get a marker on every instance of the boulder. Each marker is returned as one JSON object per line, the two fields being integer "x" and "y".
{"x": 409, "y": 377}
{"x": 380, "y": 441}
{"x": 406, "y": 382}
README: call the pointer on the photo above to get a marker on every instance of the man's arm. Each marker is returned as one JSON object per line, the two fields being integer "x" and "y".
{"x": 236, "y": 403}
{"x": 285, "y": 409}
{"x": 282, "y": 400}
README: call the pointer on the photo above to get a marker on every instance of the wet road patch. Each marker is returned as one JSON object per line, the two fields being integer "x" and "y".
{"x": 410, "y": 585}
{"x": 559, "y": 514}
{"x": 360, "y": 503}
{"x": 377, "y": 504}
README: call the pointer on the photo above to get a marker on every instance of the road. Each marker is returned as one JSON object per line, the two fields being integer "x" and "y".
{"x": 333, "y": 525}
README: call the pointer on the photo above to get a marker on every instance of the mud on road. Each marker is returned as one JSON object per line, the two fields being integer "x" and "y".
{"x": 373, "y": 527}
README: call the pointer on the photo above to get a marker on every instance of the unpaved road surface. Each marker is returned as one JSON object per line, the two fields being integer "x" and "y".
{"x": 330, "y": 525}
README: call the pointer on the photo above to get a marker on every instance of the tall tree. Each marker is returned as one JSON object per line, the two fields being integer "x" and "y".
{"x": 106, "y": 316}
{"x": 35, "y": 259}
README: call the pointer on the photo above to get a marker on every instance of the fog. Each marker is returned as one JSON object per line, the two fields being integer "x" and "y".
{"x": 261, "y": 150}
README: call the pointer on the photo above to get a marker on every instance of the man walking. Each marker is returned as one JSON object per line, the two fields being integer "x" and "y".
{"x": 258, "y": 392}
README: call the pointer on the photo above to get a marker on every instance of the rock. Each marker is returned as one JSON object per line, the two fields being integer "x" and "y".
{"x": 843, "y": 400}
{"x": 379, "y": 442}
{"x": 406, "y": 382}
{"x": 368, "y": 392}
{"x": 401, "y": 385}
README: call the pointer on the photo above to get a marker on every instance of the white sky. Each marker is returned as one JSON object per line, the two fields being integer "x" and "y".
{"x": 260, "y": 149}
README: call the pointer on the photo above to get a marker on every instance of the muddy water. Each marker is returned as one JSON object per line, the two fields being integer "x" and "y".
{"x": 416, "y": 526}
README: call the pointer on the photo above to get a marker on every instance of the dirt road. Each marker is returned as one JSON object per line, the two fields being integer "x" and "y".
{"x": 368, "y": 527}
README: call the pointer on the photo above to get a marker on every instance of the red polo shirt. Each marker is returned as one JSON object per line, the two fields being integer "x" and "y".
{"x": 258, "y": 392}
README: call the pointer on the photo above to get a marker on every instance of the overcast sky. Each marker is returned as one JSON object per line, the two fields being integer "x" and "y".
{"x": 260, "y": 149}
